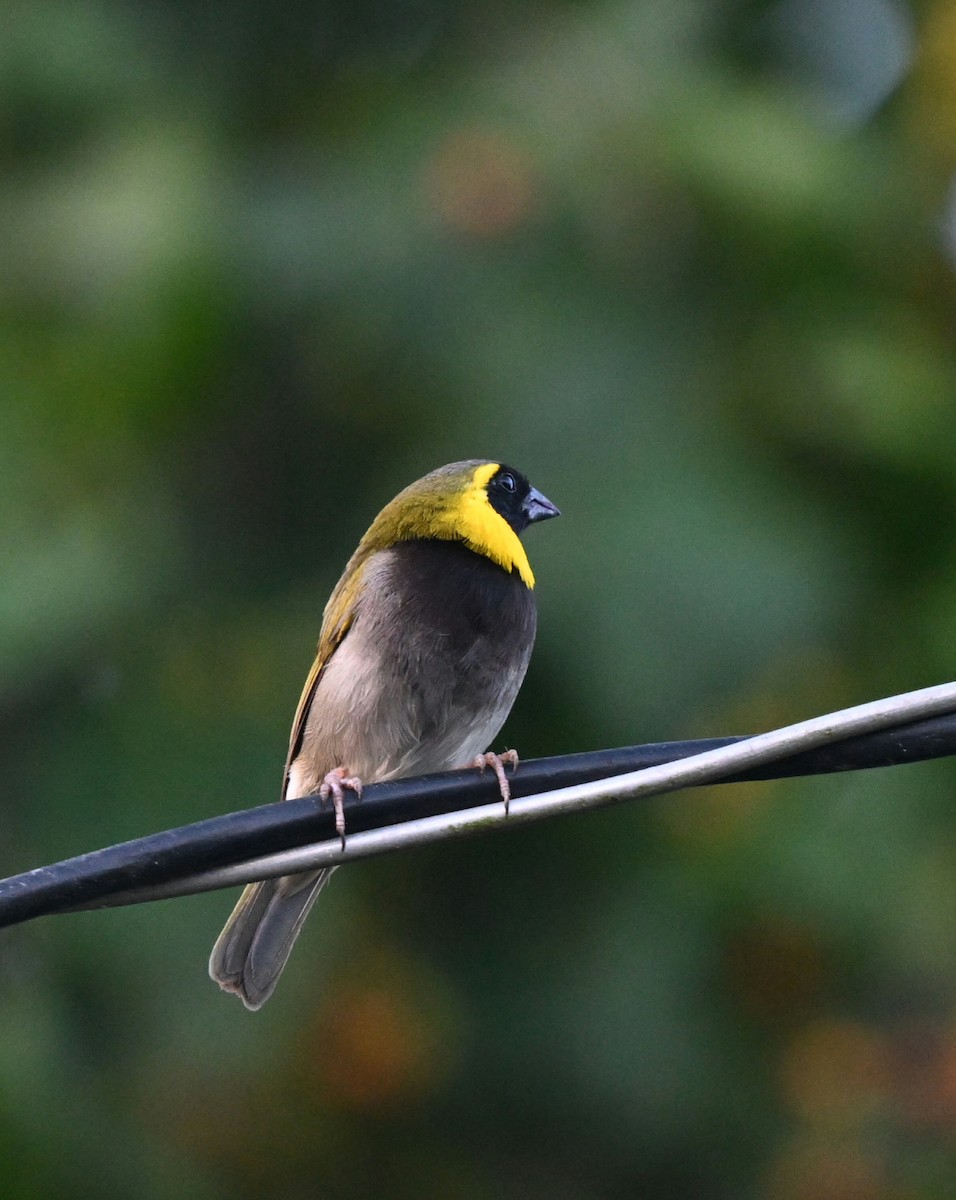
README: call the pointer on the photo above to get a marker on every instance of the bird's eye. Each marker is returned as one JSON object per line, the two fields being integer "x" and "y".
{"x": 507, "y": 482}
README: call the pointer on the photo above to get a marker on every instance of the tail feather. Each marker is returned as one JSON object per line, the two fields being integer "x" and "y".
{"x": 255, "y": 944}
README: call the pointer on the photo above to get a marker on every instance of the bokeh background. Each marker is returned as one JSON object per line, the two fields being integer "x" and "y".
{"x": 690, "y": 266}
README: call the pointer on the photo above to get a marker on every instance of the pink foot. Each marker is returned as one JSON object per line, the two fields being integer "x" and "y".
{"x": 497, "y": 764}
{"x": 334, "y": 785}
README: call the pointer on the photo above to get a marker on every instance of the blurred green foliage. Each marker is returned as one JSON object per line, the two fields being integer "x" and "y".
{"x": 261, "y": 268}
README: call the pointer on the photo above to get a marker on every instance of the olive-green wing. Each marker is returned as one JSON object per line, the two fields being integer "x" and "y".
{"x": 339, "y": 615}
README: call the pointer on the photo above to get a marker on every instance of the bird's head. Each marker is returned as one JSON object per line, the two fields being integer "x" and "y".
{"x": 484, "y": 504}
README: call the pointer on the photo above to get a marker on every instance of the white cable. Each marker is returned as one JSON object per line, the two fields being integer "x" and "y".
{"x": 702, "y": 768}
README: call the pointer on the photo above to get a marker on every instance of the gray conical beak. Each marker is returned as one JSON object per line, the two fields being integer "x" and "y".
{"x": 538, "y": 507}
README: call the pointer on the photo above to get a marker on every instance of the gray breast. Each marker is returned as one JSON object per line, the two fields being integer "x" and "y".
{"x": 428, "y": 671}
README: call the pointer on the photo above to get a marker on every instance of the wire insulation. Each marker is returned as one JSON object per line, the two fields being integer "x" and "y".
{"x": 218, "y": 852}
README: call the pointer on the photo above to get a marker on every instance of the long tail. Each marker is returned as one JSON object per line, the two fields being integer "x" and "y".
{"x": 257, "y": 940}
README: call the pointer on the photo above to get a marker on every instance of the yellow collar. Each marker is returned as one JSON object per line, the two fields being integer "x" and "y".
{"x": 486, "y": 531}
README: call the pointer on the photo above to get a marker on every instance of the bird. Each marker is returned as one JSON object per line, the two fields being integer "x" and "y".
{"x": 424, "y": 644}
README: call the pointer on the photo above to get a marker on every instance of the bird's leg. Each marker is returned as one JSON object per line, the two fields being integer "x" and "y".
{"x": 334, "y": 785}
{"x": 497, "y": 764}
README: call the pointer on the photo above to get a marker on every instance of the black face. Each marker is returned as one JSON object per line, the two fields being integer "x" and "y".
{"x": 511, "y": 495}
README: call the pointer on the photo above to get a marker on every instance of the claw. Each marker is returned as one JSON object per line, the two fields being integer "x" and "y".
{"x": 497, "y": 764}
{"x": 334, "y": 785}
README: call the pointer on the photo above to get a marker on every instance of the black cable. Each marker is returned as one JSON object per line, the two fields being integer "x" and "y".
{"x": 221, "y": 841}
